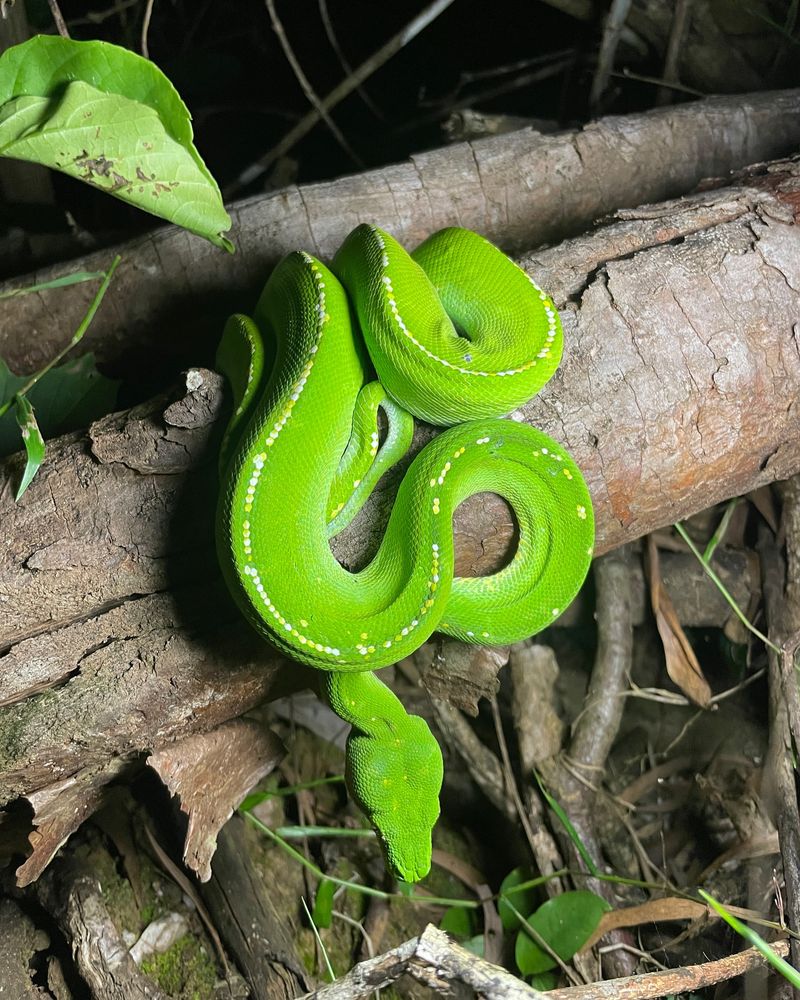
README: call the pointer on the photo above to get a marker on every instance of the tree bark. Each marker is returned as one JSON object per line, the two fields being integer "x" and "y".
{"x": 677, "y": 390}
{"x": 520, "y": 190}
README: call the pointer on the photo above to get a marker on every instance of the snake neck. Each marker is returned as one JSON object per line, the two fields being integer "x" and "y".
{"x": 392, "y": 761}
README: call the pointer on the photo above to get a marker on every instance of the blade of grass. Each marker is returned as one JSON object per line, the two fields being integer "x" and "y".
{"x": 580, "y": 847}
{"x": 719, "y": 534}
{"x": 300, "y": 832}
{"x": 258, "y": 797}
{"x": 778, "y": 963}
{"x": 322, "y": 947}
{"x": 76, "y": 338}
{"x": 367, "y": 890}
{"x": 723, "y": 590}
{"x": 67, "y": 279}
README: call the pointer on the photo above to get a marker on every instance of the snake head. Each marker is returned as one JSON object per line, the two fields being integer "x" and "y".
{"x": 395, "y": 781}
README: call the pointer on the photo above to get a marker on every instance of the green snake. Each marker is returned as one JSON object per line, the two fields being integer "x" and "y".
{"x": 457, "y": 334}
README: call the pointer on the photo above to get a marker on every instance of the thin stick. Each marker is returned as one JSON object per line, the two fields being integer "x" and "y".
{"x": 148, "y": 13}
{"x": 58, "y": 17}
{"x": 327, "y": 24}
{"x": 780, "y": 585}
{"x": 612, "y": 32}
{"x": 660, "y": 82}
{"x": 597, "y": 726}
{"x": 511, "y": 784}
{"x": 681, "y": 20}
{"x": 661, "y": 984}
{"x": 305, "y": 84}
{"x": 347, "y": 86}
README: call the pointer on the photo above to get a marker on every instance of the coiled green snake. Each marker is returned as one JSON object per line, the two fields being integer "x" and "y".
{"x": 458, "y": 334}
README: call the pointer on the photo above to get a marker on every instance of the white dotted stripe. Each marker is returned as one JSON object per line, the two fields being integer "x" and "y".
{"x": 433, "y": 584}
{"x": 259, "y": 460}
{"x": 439, "y": 480}
{"x": 303, "y": 640}
{"x": 552, "y": 320}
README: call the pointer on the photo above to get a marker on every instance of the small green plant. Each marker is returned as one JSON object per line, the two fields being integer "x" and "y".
{"x": 110, "y": 118}
{"x": 516, "y": 894}
{"x": 555, "y": 931}
{"x": 551, "y": 933}
{"x": 74, "y": 392}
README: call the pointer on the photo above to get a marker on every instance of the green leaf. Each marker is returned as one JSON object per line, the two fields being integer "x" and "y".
{"x": 544, "y": 981}
{"x": 458, "y": 922}
{"x": 523, "y": 899}
{"x": 323, "y": 904}
{"x": 65, "y": 398}
{"x": 477, "y": 945}
{"x": 565, "y": 923}
{"x": 33, "y": 440}
{"x": 107, "y": 116}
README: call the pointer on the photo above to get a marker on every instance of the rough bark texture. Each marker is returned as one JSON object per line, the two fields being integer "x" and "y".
{"x": 73, "y": 894}
{"x": 20, "y": 941}
{"x": 248, "y": 918}
{"x": 677, "y": 390}
{"x": 210, "y": 773}
{"x": 173, "y": 291}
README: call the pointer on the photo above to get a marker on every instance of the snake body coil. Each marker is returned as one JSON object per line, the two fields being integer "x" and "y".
{"x": 457, "y": 334}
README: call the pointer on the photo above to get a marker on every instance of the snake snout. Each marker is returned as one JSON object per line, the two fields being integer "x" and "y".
{"x": 409, "y": 862}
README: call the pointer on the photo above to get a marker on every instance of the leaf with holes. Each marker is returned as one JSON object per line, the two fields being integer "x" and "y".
{"x": 107, "y": 116}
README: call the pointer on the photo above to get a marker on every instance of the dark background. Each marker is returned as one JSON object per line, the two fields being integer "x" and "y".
{"x": 516, "y": 58}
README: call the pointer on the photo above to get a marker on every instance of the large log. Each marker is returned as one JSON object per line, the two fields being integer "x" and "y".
{"x": 677, "y": 390}
{"x": 520, "y": 190}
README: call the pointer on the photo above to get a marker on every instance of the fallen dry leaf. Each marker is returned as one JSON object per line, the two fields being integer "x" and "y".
{"x": 682, "y": 665}
{"x": 652, "y": 912}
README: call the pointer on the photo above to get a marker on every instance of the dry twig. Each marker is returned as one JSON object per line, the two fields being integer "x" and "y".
{"x": 681, "y": 20}
{"x": 58, "y": 17}
{"x": 347, "y": 86}
{"x": 436, "y": 961}
{"x": 574, "y": 786}
{"x": 327, "y": 24}
{"x": 308, "y": 90}
{"x": 781, "y": 581}
{"x": 612, "y": 32}
{"x": 148, "y": 13}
